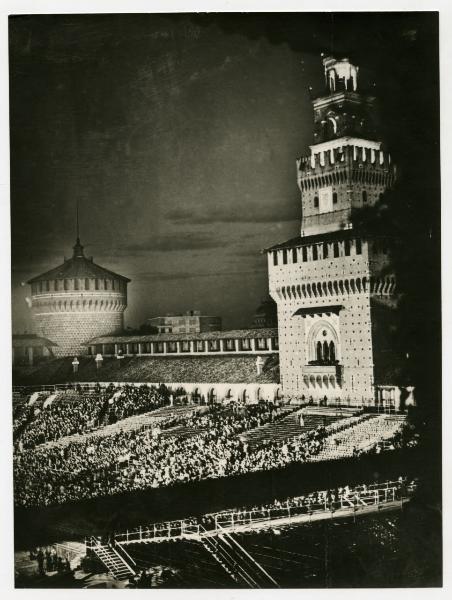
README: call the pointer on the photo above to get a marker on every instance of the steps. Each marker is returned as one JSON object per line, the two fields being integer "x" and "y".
{"x": 116, "y": 565}
{"x": 237, "y": 562}
{"x": 286, "y": 428}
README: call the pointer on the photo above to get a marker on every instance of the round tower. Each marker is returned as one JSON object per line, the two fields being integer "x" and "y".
{"x": 76, "y": 302}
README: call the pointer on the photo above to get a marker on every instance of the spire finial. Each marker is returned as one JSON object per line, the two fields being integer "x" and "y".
{"x": 76, "y": 220}
{"x": 78, "y": 248}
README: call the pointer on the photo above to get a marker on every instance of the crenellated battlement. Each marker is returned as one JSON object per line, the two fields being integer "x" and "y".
{"x": 344, "y": 157}
{"x": 346, "y": 164}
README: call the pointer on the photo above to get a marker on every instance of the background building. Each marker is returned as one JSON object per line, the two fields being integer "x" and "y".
{"x": 29, "y": 349}
{"x": 190, "y": 322}
{"x": 334, "y": 285}
{"x": 266, "y": 314}
{"x": 77, "y": 301}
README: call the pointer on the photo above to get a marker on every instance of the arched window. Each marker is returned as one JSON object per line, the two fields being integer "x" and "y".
{"x": 325, "y": 250}
{"x": 284, "y": 257}
{"x": 66, "y": 284}
{"x": 86, "y": 284}
{"x": 358, "y": 246}
{"x": 294, "y": 255}
{"x": 314, "y": 252}
{"x": 347, "y": 247}
{"x": 332, "y": 126}
{"x": 319, "y": 351}
{"x": 316, "y": 202}
{"x": 96, "y": 284}
{"x": 323, "y": 344}
{"x": 334, "y": 197}
{"x": 364, "y": 194}
{"x": 76, "y": 284}
{"x": 275, "y": 259}
{"x": 332, "y": 352}
{"x": 336, "y": 249}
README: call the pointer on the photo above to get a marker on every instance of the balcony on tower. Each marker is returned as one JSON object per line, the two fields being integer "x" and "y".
{"x": 325, "y": 377}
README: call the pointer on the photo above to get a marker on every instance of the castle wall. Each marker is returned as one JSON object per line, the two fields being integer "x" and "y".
{"x": 335, "y": 296}
{"x": 71, "y": 330}
{"x": 70, "y": 318}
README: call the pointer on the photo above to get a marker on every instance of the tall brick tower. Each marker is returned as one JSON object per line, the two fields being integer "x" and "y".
{"x": 333, "y": 286}
{"x": 76, "y": 302}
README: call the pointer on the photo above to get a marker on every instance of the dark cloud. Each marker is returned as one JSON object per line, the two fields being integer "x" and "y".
{"x": 173, "y": 242}
{"x": 186, "y": 275}
{"x": 247, "y": 213}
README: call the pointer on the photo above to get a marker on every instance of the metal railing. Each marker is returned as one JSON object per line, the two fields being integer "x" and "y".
{"x": 374, "y": 495}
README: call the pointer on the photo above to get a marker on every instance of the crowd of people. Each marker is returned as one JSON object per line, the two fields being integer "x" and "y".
{"x": 175, "y": 447}
{"x": 131, "y": 460}
{"x": 49, "y": 560}
{"x": 79, "y": 411}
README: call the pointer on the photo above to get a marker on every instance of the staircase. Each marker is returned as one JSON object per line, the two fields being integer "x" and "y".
{"x": 117, "y": 565}
{"x": 286, "y": 428}
{"x": 237, "y": 562}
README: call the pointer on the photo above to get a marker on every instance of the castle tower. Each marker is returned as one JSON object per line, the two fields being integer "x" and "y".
{"x": 76, "y": 302}
{"x": 333, "y": 286}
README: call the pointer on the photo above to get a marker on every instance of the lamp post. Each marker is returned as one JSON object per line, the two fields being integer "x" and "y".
{"x": 119, "y": 356}
{"x": 75, "y": 364}
{"x": 259, "y": 364}
{"x": 99, "y": 359}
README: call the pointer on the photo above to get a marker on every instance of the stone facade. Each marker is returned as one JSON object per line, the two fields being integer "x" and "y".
{"x": 333, "y": 286}
{"x": 190, "y": 322}
{"x": 76, "y": 302}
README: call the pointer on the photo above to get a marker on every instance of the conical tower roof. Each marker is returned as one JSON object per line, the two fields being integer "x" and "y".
{"x": 78, "y": 267}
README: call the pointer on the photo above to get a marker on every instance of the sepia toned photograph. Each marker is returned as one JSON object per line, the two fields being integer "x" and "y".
{"x": 226, "y": 300}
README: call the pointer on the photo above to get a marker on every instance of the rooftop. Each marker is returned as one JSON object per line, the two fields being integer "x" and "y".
{"x": 77, "y": 267}
{"x": 31, "y": 339}
{"x": 312, "y": 239}
{"x": 174, "y": 337}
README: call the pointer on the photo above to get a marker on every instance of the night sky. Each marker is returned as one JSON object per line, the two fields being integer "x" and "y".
{"x": 178, "y": 136}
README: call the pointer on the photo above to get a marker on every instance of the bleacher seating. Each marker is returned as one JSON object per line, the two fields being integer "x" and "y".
{"x": 287, "y": 427}
{"x": 361, "y": 437}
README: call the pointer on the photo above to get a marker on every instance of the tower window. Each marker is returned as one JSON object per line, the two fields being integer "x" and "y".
{"x": 275, "y": 259}
{"x": 284, "y": 257}
{"x": 314, "y": 252}
{"x": 358, "y": 246}
{"x": 325, "y": 250}
{"x": 304, "y": 252}
{"x": 364, "y": 196}
{"x": 294, "y": 255}
{"x": 347, "y": 247}
{"x": 316, "y": 202}
{"x": 334, "y": 197}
